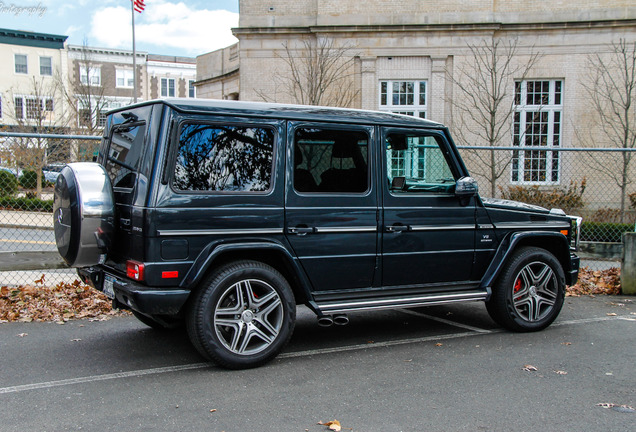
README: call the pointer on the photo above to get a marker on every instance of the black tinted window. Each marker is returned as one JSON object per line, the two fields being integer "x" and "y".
{"x": 124, "y": 153}
{"x": 330, "y": 160}
{"x": 224, "y": 158}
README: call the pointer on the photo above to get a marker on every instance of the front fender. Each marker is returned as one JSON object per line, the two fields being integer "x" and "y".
{"x": 554, "y": 242}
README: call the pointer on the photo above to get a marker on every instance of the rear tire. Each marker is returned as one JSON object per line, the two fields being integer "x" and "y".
{"x": 529, "y": 293}
{"x": 243, "y": 315}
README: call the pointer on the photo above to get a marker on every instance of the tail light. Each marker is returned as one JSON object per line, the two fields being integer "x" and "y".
{"x": 135, "y": 270}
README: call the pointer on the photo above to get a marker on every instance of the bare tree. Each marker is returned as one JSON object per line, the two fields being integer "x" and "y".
{"x": 33, "y": 110}
{"x": 322, "y": 72}
{"x": 86, "y": 100}
{"x": 612, "y": 92}
{"x": 484, "y": 107}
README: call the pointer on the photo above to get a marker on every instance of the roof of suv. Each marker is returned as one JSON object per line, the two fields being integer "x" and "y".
{"x": 288, "y": 111}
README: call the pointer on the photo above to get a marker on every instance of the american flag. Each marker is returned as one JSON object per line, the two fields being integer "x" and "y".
{"x": 138, "y": 5}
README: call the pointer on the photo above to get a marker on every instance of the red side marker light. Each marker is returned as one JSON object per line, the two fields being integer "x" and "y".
{"x": 169, "y": 274}
{"x": 135, "y": 270}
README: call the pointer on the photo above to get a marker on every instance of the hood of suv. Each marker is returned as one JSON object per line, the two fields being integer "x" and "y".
{"x": 512, "y": 205}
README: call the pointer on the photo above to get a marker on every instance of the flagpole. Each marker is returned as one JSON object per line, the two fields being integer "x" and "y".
{"x": 132, "y": 9}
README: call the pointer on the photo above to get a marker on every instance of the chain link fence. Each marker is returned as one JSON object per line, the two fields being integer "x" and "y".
{"x": 597, "y": 184}
{"x": 29, "y": 165}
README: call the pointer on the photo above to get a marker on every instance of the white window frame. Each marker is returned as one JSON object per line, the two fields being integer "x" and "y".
{"x": 391, "y": 97}
{"x": 42, "y": 103}
{"x": 193, "y": 88}
{"x": 26, "y": 64}
{"x": 90, "y": 75}
{"x": 50, "y": 66}
{"x": 127, "y": 78}
{"x": 167, "y": 92}
{"x": 537, "y": 123}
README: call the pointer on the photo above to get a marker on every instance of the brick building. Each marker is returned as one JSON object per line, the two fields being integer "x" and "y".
{"x": 407, "y": 56}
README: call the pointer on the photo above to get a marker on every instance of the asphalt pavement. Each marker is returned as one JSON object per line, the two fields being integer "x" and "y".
{"x": 440, "y": 368}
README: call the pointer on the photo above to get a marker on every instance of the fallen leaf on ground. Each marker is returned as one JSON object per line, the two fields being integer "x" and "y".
{"x": 22, "y": 334}
{"x": 608, "y": 405}
{"x": 596, "y": 282}
{"x": 333, "y": 425}
{"x": 611, "y": 314}
{"x": 213, "y": 410}
{"x": 530, "y": 368}
{"x": 560, "y": 372}
{"x": 566, "y": 343}
{"x": 438, "y": 344}
{"x": 59, "y": 303}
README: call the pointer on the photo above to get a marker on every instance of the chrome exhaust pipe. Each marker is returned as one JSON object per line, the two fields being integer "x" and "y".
{"x": 325, "y": 321}
{"x": 341, "y": 320}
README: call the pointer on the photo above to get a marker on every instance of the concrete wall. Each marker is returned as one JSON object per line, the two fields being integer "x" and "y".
{"x": 218, "y": 74}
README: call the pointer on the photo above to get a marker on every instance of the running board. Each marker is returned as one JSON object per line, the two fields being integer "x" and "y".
{"x": 401, "y": 302}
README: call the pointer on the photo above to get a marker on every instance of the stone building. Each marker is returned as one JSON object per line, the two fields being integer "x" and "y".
{"x": 409, "y": 56}
{"x": 218, "y": 74}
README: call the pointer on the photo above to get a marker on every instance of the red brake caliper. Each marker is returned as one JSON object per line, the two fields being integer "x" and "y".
{"x": 517, "y": 286}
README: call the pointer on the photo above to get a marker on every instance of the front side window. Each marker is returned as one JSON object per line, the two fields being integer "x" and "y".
{"x": 167, "y": 87}
{"x": 21, "y": 64}
{"x": 537, "y": 123}
{"x": 222, "y": 158}
{"x": 46, "y": 67}
{"x": 90, "y": 75}
{"x": 416, "y": 163}
{"x": 404, "y": 97}
{"x": 331, "y": 160}
{"x": 124, "y": 78}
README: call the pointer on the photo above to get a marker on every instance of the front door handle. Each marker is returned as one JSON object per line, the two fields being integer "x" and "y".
{"x": 397, "y": 228}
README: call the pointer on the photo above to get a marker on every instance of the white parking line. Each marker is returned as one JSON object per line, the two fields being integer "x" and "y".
{"x": 445, "y": 321}
{"x": 307, "y": 353}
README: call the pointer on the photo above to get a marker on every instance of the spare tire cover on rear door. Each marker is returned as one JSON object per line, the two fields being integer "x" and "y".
{"x": 83, "y": 212}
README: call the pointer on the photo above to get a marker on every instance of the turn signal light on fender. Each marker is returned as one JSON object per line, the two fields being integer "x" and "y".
{"x": 135, "y": 270}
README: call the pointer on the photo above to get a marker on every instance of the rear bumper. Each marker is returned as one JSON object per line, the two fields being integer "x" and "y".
{"x": 131, "y": 295}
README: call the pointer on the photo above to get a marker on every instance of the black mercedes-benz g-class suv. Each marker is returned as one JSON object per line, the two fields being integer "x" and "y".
{"x": 224, "y": 216}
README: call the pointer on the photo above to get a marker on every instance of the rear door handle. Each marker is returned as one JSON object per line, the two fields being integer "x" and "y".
{"x": 301, "y": 230}
{"x": 397, "y": 228}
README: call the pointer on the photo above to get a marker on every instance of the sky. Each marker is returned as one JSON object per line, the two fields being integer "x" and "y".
{"x": 169, "y": 27}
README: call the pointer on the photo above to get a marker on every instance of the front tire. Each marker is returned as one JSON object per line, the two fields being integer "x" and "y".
{"x": 530, "y": 291}
{"x": 243, "y": 315}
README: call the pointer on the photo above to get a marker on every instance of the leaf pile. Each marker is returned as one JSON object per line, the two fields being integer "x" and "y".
{"x": 60, "y": 303}
{"x": 594, "y": 282}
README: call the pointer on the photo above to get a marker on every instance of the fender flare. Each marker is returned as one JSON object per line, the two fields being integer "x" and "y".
{"x": 510, "y": 243}
{"x": 214, "y": 250}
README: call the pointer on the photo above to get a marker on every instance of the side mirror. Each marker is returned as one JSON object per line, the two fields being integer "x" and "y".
{"x": 466, "y": 187}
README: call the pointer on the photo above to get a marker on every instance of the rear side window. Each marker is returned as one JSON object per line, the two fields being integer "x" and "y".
{"x": 125, "y": 151}
{"x": 330, "y": 160}
{"x": 219, "y": 158}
